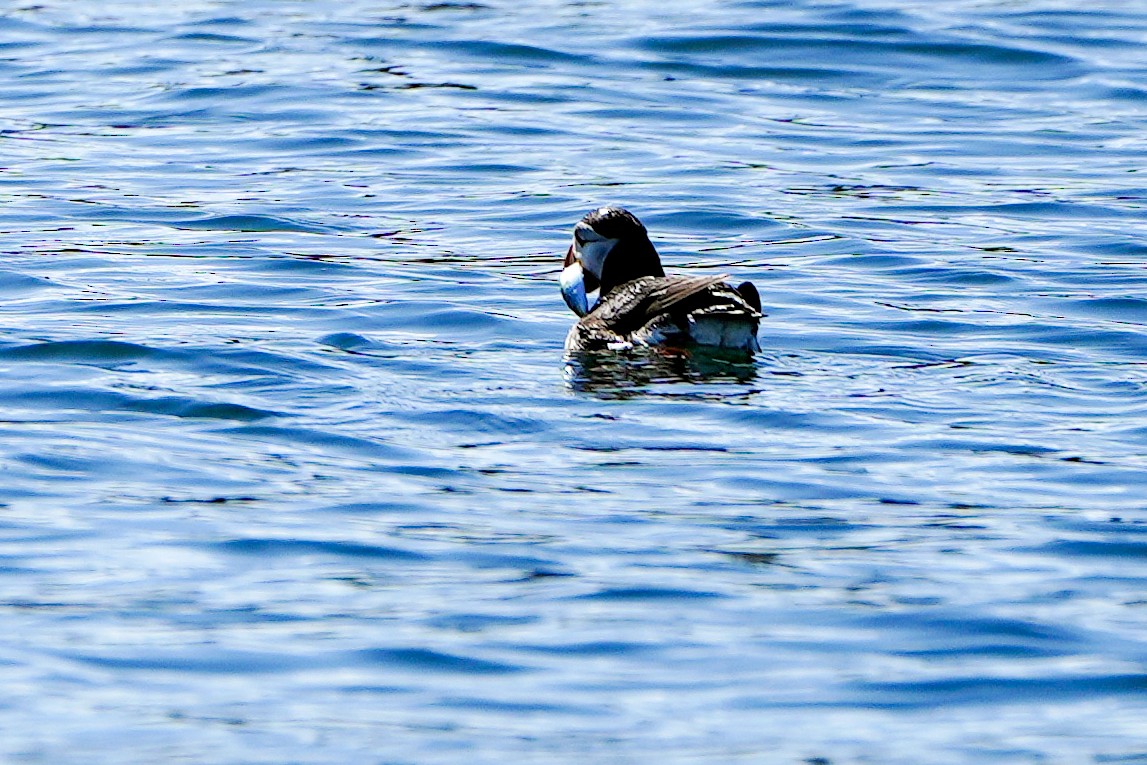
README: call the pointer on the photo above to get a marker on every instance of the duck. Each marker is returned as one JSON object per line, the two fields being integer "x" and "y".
{"x": 637, "y": 305}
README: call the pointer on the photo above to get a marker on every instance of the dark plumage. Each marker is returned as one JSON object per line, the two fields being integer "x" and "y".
{"x": 639, "y": 304}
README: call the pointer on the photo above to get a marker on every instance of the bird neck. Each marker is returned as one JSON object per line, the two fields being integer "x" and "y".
{"x": 628, "y": 260}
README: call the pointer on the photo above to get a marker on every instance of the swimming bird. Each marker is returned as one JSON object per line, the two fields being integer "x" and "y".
{"x": 638, "y": 305}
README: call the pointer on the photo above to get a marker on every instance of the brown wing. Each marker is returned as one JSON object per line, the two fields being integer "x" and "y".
{"x": 675, "y": 290}
{"x": 634, "y": 303}
{"x": 658, "y": 299}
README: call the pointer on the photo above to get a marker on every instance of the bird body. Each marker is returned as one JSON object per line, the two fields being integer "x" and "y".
{"x": 638, "y": 304}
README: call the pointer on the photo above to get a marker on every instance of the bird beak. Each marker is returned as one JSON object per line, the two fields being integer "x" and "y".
{"x": 573, "y": 284}
{"x": 577, "y": 283}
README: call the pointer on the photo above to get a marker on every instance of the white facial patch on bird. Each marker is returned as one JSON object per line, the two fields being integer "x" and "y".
{"x": 591, "y": 248}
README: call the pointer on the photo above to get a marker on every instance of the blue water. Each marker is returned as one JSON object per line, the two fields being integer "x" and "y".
{"x": 293, "y": 470}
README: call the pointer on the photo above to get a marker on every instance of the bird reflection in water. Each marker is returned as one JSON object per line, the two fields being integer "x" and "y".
{"x": 632, "y": 372}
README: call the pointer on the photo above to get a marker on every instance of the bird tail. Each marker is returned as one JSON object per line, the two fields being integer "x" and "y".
{"x": 725, "y": 329}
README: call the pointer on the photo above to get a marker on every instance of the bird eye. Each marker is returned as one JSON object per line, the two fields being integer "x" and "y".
{"x": 579, "y": 237}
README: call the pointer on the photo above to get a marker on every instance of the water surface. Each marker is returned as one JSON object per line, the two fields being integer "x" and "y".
{"x": 294, "y": 470}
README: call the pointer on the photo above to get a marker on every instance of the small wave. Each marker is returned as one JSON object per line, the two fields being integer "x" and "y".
{"x": 206, "y": 661}
{"x": 993, "y": 691}
{"x": 296, "y": 436}
{"x": 300, "y": 547}
{"x": 642, "y": 594}
{"x": 65, "y": 399}
{"x": 97, "y": 352}
{"x": 475, "y": 421}
{"x": 251, "y": 223}
{"x": 15, "y": 283}
{"x": 876, "y": 53}
{"x": 427, "y": 660}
